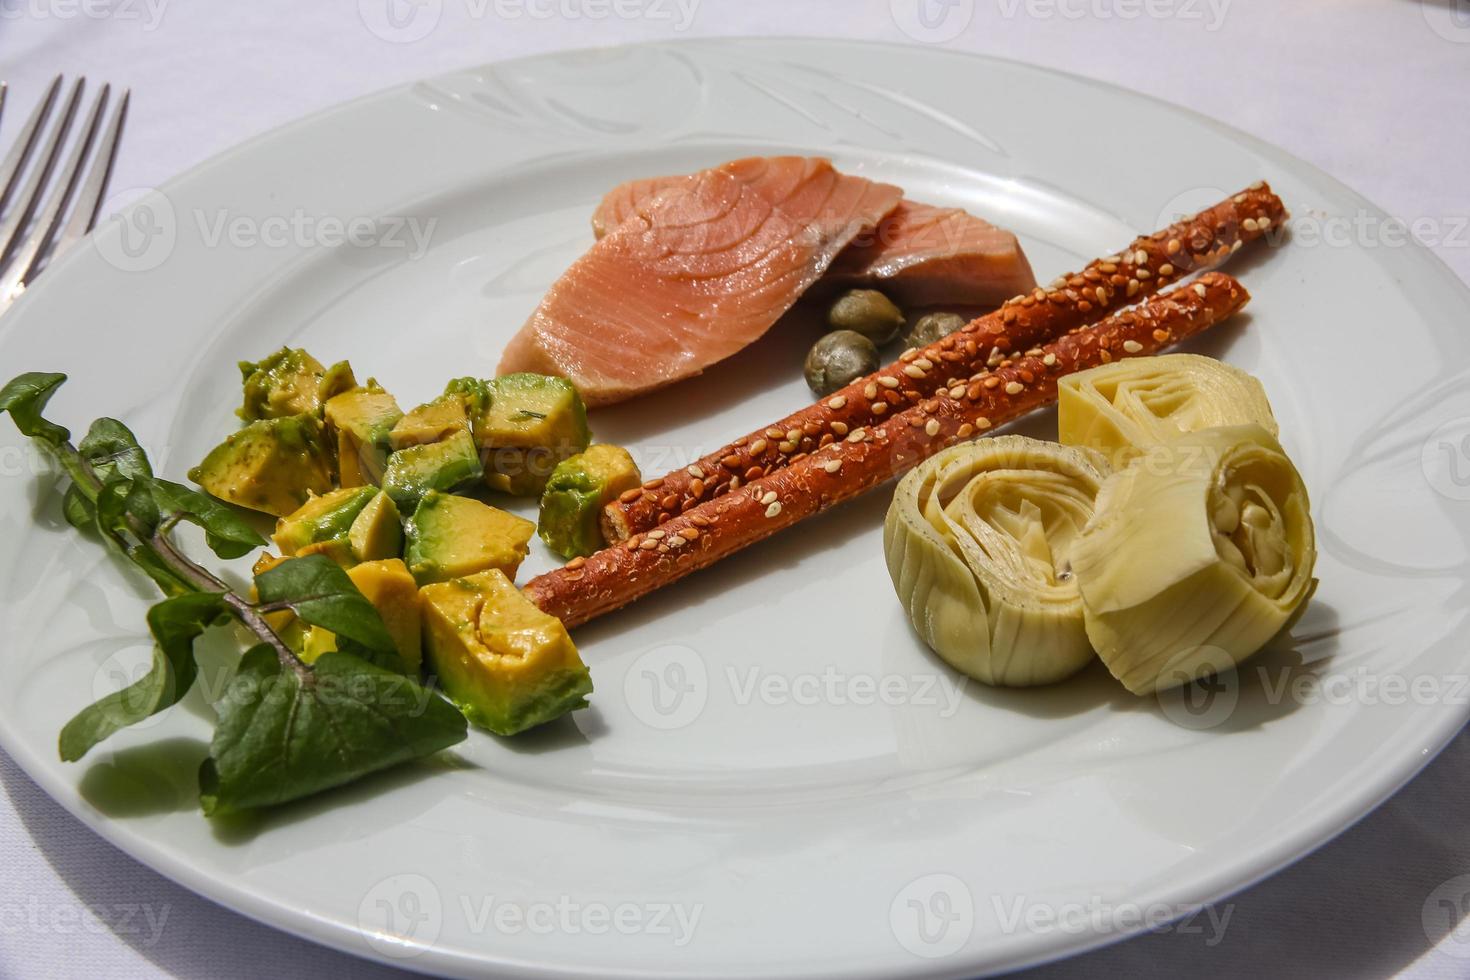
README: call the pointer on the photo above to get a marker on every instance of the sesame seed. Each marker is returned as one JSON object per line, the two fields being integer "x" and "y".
{"x": 758, "y": 447}
{"x": 965, "y": 431}
{"x": 1161, "y": 335}
{"x": 871, "y": 391}
{"x": 1263, "y": 222}
{"x": 888, "y": 382}
{"x": 857, "y": 435}
{"x": 1249, "y": 224}
{"x": 1166, "y": 269}
{"x": 1240, "y": 199}
{"x": 774, "y": 434}
{"x": 793, "y": 435}
{"x": 689, "y": 533}
{"x": 1236, "y": 247}
{"x": 1015, "y": 388}
{"x": 991, "y": 382}
{"x": 653, "y": 484}
{"x": 909, "y": 354}
{"x": 734, "y": 483}
{"x": 663, "y": 549}
{"x": 878, "y": 408}
{"x": 925, "y": 363}
{"x": 1029, "y": 301}
{"x": 676, "y": 542}
{"x": 995, "y": 358}
{"x": 1102, "y": 296}
{"x": 913, "y": 370}
{"x": 628, "y": 496}
{"x": 1049, "y": 359}
{"x": 696, "y": 488}
{"x": 774, "y": 509}
{"x": 576, "y": 563}
{"x": 1132, "y": 346}
{"x": 1200, "y": 291}
{"x": 838, "y": 403}
{"x": 768, "y": 497}
{"x": 648, "y": 544}
{"x": 754, "y": 473}
{"x": 1133, "y": 287}
{"x": 786, "y": 446}
{"x": 700, "y": 520}
{"x": 669, "y": 502}
{"x": 732, "y": 461}
{"x": 1174, "y": 246}
{"x": 931, "y": 428}
{"x": 1142, "y": 273}
{"x": 1109, "y": 267}
{"x": 982, "y": 423}
{"x": 958, "y": 391}
{"x": 840, "y": 428}
{"x": 832, "y": 465}
{"x": 1140, "y": 257}
{"x": 656, "y": 533}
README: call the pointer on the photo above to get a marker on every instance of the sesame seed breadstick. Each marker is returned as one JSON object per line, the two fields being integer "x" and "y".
{"x": 869, "y": 456}
{"x": 1023, "y": 323}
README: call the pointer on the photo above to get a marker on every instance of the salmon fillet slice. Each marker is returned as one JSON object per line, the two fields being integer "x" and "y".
{"x": 920, "y": 255}
{"x": 694, "y": 273}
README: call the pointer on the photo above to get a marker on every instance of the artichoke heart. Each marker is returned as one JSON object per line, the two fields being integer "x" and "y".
{"x": 1198, "y": 554}
{"x": 1123, "y": 408}
{"x": 979, "y": 541}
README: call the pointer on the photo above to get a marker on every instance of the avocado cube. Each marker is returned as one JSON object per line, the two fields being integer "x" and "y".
{"x": 393, "y": 592}
{"x": 414, "y": 471}
{"x": 326, "y": 517}
{"x": 377, "y": 532}
{"x": 270, "y": 465}
{"x": 451, "y": 537}
{"x": 359, "y": 422}
{"x": 475, "y": 392}
{"x": 533, "y": 422}
{"x": 432, "y": 422}
{"x": 505, "y": 663}
{"x": 290, "y": 382}
{"x": 576, "y": 493}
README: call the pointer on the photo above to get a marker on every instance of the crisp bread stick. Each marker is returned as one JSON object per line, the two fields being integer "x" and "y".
{"x": 1145, "y": 267}
{"x": 866, "y": 457}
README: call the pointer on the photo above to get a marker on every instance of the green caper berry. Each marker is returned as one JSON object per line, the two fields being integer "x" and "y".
{"x": 931, "y": 328}
{"x": 838, "y": 359}
{"x": 867, "y": 312}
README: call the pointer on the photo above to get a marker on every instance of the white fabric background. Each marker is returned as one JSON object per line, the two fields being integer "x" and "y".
{"x": 1377, "y": 92}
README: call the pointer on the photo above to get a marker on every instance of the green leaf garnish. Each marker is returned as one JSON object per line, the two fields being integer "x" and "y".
{"x": 283, "y": 735}
{"x": 227, "y": 533}
{"x": 24, "y": 398}
{"x": 322, "y": 594}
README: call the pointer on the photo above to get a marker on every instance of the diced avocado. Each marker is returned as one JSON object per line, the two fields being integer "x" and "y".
{"x": 446, "y": 465}
{"x": 322, "y": 518}
{"x": 290, "y": 382}
{"x": 431, "y": 422}
{"x": 270, "y": 465}
{"x": 576, "y": 493}
{"x": 377, "y": 533}
{"x": 451, "y": 537}
{"x": 534, "y": 421}
{"x": 393, "y": 592}
{"x": 505, "y": 663}
{"x": 476, "y": 394}
{"x": 359, "y": 422}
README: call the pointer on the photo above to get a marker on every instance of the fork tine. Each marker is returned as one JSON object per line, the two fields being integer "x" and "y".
{"x": 30, "y": 255}
{"x": 13, "y": 225}
{"x": 16, "y": 159}
{"x": 84, "y": 215}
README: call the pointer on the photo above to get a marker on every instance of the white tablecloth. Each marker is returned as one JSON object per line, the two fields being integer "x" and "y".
{"x": 1377, "y": 92}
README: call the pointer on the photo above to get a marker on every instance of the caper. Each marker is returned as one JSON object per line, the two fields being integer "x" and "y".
{"x": 931, "y": 328}
{"x": 867, "y": 312}
{"x": 838, "y": 359}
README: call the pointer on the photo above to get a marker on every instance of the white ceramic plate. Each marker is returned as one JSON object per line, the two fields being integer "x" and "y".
{"x": 775, "y": 777}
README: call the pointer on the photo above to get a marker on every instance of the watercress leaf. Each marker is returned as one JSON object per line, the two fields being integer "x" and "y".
{"x": 284, "y": 734}
{"x": 175, "y": 624}
{"x": 388, "y": 660}
{"x": 227, "y": 533}
{"x": 322, "y": 594}
{"x": 25, "y": 396}
{"x": 113, "y": 451}
{"x": 77, "y": 509}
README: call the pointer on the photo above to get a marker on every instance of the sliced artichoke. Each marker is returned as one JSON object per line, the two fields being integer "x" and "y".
{"x": 1198, "y": 554}
{"x": 979, "y": 541}
{"x": 1122, "y": 408}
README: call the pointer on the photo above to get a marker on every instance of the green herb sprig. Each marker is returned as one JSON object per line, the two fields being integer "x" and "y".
{"x": 286, "y": 729}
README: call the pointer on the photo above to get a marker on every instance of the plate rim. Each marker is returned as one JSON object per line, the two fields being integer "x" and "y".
{"x": 1445, "y": 722}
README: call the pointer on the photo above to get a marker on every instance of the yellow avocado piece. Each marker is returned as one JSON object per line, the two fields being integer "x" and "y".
{"x": 433, "y": 422}
{"x": 451, "y": 537}
{"x": 388, "y": 585}
{"x": 271, "y": 465}
{"x": 505, "y": 663}
{"x": 359, "y": 422}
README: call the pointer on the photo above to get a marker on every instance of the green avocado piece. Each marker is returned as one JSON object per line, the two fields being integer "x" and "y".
{"x": 451, "y": 537}
{"x": 533, "y": 422}
{"x": 434, "y": 421}
{"x": 447, "y": 465}
{"x": 575, "y": 494}
{"x": 377, "y": 533}
{"x": 359, "y": 422}
{"x": 476, "y": 394}
{"x": 506, "y": 664}
{"x": 290, "y": 382}
{"x": 270, "y": 465}
{"x": 327, "y": 517}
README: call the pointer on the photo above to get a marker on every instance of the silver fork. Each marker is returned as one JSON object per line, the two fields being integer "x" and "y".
{"x": 28, "y": 239}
